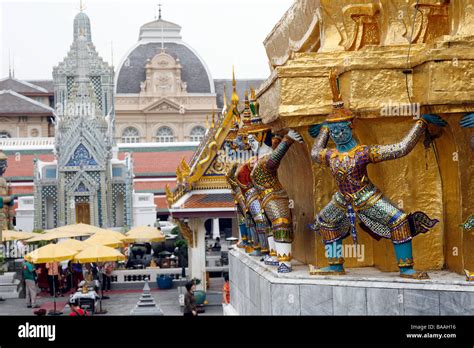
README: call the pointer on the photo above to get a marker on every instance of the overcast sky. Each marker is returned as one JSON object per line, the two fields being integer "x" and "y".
{"x": 224, "y": 32}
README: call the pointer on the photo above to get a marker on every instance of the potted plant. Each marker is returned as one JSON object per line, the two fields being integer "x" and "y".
{"x": 199, "y": 295}
{"x": 164, "y": 281}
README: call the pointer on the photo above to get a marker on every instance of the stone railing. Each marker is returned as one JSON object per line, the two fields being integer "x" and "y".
{"x": 139, "y": 275}
{"x": 25, "y": 142}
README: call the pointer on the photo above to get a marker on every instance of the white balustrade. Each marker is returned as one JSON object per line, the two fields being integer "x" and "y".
{"x": 26, "y": 142}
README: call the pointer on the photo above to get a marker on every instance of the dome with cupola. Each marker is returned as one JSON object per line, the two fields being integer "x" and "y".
{"x": 157, "y": 37}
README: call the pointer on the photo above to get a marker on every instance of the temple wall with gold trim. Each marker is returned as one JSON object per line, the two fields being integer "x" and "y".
{"x": 368, "y": 42}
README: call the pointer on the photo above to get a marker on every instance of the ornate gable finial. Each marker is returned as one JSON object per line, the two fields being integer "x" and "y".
{"x": 169, "y": 195}
{"x": 179, "y": 175}
{"x": 81, "y": 6}
{"x": 185, "y": 167}
{"x": 235, "y": 97}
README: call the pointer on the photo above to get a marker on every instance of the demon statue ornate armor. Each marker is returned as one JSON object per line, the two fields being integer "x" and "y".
{"x": 259, "y": 225}
{"x": 243, "y": 216}
{"x": 272, "y": 197}
{"x": 357, "y": 197}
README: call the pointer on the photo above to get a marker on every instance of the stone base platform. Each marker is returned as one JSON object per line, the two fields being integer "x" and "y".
{"x": 9, "y": 285}
{"x": 257, "y": 289}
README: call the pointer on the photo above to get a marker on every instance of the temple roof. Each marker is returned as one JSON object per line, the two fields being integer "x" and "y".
{"x": 13, "y": 103}
{"x": 149, "y": 162}
{"x": 45, "y": 84}
{"x": 218, "y": 200}
{"x": 22, "y": 87}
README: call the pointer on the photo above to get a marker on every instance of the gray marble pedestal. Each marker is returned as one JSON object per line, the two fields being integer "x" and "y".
{"x": 257, "y": 289}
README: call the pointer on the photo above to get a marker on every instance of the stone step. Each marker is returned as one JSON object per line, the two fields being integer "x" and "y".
{"x": 7, "y": 295}
{"x": 10, "y": 288}
{"x": 7, "y": 277}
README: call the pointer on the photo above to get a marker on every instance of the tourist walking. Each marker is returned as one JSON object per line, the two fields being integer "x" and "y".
{"x": 53, "y": 278}
{"x": 107, "y": 275}
{"x": 29, "y": 275}
{"x": 190, "y": 309}
{"x": 77, "y": 275}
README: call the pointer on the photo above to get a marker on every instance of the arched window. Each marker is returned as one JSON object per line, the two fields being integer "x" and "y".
{"x": 165, "y": 135}
{"x": 130, "y": 135}
{"x": 197, "y": 133}
{"x": 4, "y": 134}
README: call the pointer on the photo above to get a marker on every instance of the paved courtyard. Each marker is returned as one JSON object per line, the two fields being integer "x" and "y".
{"x": 121, "y": 302}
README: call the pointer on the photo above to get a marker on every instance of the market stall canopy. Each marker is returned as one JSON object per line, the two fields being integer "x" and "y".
{"x": 98, "y": 253}
{"x": 50, "y": 253}
{"x": 105, "y": 239}
{"x": 144, "y": 234}
{"x": 74, "y": 244}
{"x": 9, "y": 235}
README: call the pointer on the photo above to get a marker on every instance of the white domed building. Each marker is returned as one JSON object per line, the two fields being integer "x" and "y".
{"x": 164, "y": 90}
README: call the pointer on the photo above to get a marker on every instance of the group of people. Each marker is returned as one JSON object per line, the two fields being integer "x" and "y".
{"x": 62, "y": 280}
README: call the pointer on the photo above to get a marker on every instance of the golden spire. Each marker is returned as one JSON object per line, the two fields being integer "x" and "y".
{"x": 213, "y": 124}
{"x": 235, "y": 97}
{"x": 252, "y": 93}
{"x": 225, "y": 96}
{"x": 207, "y": 121}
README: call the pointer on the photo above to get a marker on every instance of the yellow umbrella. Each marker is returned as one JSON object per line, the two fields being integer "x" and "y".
{"x": 56, "y": 234}
{"x": 144, "y": 233}
{"x": 98, "y": 253}
{"x": 9, "y": 235}
{"x": 74, "y": 244}
{"x": 82, "y": 228}
{"x": 112, "y": 233}
{"x": 50, "y": 253}
{"x": 104, "y": 239}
